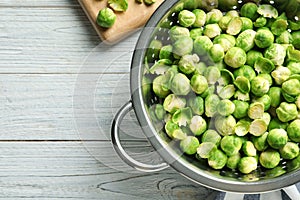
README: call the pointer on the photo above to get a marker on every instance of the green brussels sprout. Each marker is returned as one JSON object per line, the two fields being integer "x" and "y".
{"x": 216, "y": 53}
{"x": 242, "y": 127}
{"x": 149, "y": 2}
{"x": 293, "y": 130}
{"x": 265, "y": 100}
{"x": 180, "y": 84}
{"x": 232, "y": 13}
{"x": 226, "y": 77}
{"x": 256, "y": 110}
{"x": 296, "y": 39}
{"x": 291, "y": 87}
{"x": 186, "y": 18}
{"x": 223, "y": 23}
{"x": 211, "y": 136}
{"x": 177, "y": 31}
{"x": 182, "y": 116}
{"x": 260, "y": 142}
{"x": 249, "y": 149}
{"x": 259, "y": 86}
{"x": 217, "y": 159}
{"x": 200, "y": 68}
{"x": 206, "y": 149}
{"x": 264, "y": 65}
{"x": 202, "y": 45}
{"x": 284, "y": 38}
{"x": 252, "y": 56}
{"x": 166, "y": 52}
{"x": 294, "y": 67}
{"x": 243, "y": 84}
{"x": 258, "y": 127}
{"x": 197, "y": 105}
{"x": 191, "y": 4}
{"x": 153, "y": 50}
{"x": 225, "y": 107}
{"x": 159, "y": 111}
{"x": 249, "y": 10}
{"x": 212, "y": 74}
{"x": 235, "y": 57}
{"x": 213, "y": 16}
{"x": 293, "y": 54}
{"x": 245, "y": 71}
{"x": 247, "y": 24}
{"x": 187, "y": 63}
{"x": 235, "y": 26}
{"x": 279, "y": 26}
{"x": 106, "y": 18}
{"x": 238, "y": 95}
{"x": 245, "y": 40}
{"x": 241, "y": 109}
{"x": 200, "y": 18}
{"x": 281, "y": 74}
{"x": 227, "y": 91}
{"x": 231, "y": 144}
{"x": 289, "y": 151}
{"x": 276, "y": 53}
{"x": 264, "y": 38}
{"x": 225, "y": 40}
{"x": 198, "y": 125}
{"x": 294, "y": 25}
{"x": 189, "y": 145}
{"x": 260, "y": 22}
{"x": 210, "y": 90}
{"x": 275, "y": 95}
{"x": 199, "y": 84}
{"x": 173, "y": 103}
{"x": 173, "y": 131}
{"x": 211, "y": 102}
{"x": 160, "y": 67}
{"x": 247, "y": 165}
{"x": 183, "y": 46}
{"x": 266, "y": 117}
{"x": 225, "y": 125}
{"x": 117, "y": 5}
{"x": 269, "y": 158}
{"x": 196, "y": 32}
{"x": 275, "y": 123}
{"x": 160, "y": 86}
{"x": 233, "y": 161}
{"x": 267, "y": 11}
{"x": 277, "y": 138}
{"x": 212, "y": 30}
{"x": 286, "y": 112}
{"x": 294, "y": 164}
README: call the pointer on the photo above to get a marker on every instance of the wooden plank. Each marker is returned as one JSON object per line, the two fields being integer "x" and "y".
{"x": 39, "y": 3}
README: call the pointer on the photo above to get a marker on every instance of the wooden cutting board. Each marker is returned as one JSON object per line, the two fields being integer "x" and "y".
{"x": 127, "y": 22}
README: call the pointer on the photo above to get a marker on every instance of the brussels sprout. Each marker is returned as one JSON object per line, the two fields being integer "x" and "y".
{"x": 173, "y": 103}
{"x": 186, "y": 18}
{"x": 276, "y": 53}
{"x": 260, "y": 22}
{"x": 279, "y": 26}
{"x": 265, "y": 100}
{"x": 225, "y": 107}
{"x": 263, "y": 65}
{"x": 296, "y": 39}
{"x": 294, "y": 25}
{"x": 291, "y": 87}
{"x": 173, "y": 131}
{"x": 242, "y": 127}
{"x": 247, "y": 24}
{"x": 235, "y": 57}
{"x": 187, "y": 63}
{"x": 233, "y": 161}
{"x": 212, "y": 30}
{"x": 211, "y": 103}
{"x": 269, "y": 158}
{"x": 286, "y": 112}
{"x": 259, "y": 86}
{"x": 281, "y": 74}
{"x": 289, "y": 151}
{"x": 267, "y": 10}
{"x": 206, "y": 149}
{"x": 266, "y": 117}
{"x": 149, "y": 2}
{"x": 256, "y": 110}
{"x": 225, "y": 40}
{"x": 160, "y": 111}
{"x": 197, "y": 105}
{"x": 225, "y": 125}
{"x": 118, "y": 5}
{"x": 247, "y": 165}
{"x": 200, "y": 18}
{"x": 213, "y": 16}
{"x": 258, "y": 127}
{"x": 210, "y": 90}
{"x": 226, "y": 77}
{"x": 264, "y": 38}
{"x": 245, "y": 40}
{"x": 166, "y": 52}
{"x": 160, "y": 67}
{"x": 212, "y": 74}
{"x": 227, "y": 91}
{"x": 216, "y": 53}
{"x": 275, "y": 172}
{"x": 106, "y": 18}
{"x": 182, "y": 116}
{"x": 232, "y": 13}
{"x": 277, "y": 138}
{"x": 217, "y": 160}
{"x": 200, "y": 68}
{"x": 198, "y": 125}
{"x": 293, "y": 54}
{"x": 294, "y": 164}
{"x": 284, "y": 38}
{"x": 211, "y": 136}
{"x": 196, "y": 32}
{"x": 191, "y": 4}
{"x": 241, "y": 109}
{"x": 180, "y": 84}
{"x": 177, "y": 31}
{"x": 294, "y": 67}
{"x": 242, "y": 83}
{"x": 260, "y": 142}
{"x": 249, "y": 149}
{"x": 223, "y": 23}
{"x": 293, "y": 130}
{"x": 252, "y": 56}
{"x": 189, "y": 145}
{"x": 245, "y": 71}
{"x": 275, "y": 123}
{"x": 235, "y": 26}
{"x": 160, "y": 86}
{"x": 183, "y": 46}
{"x": 275, "y": 95}
{"x": 249, "y": 10}
{"x": 202, "y": 45}
{"x": 153, "y": 50}
{"x": 231, "y": 144}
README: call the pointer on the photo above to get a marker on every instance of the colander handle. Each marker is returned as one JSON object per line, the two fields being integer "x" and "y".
{"x": 115, "y": 133}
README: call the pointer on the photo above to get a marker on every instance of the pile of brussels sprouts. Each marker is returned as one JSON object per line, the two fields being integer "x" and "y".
{"x": 227, "y": 86}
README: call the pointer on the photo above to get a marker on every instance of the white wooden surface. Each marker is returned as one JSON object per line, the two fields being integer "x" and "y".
{"x": 45, "y": 72}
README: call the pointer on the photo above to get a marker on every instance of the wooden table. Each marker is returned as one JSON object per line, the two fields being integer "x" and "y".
{"x": 46, "y": 50}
